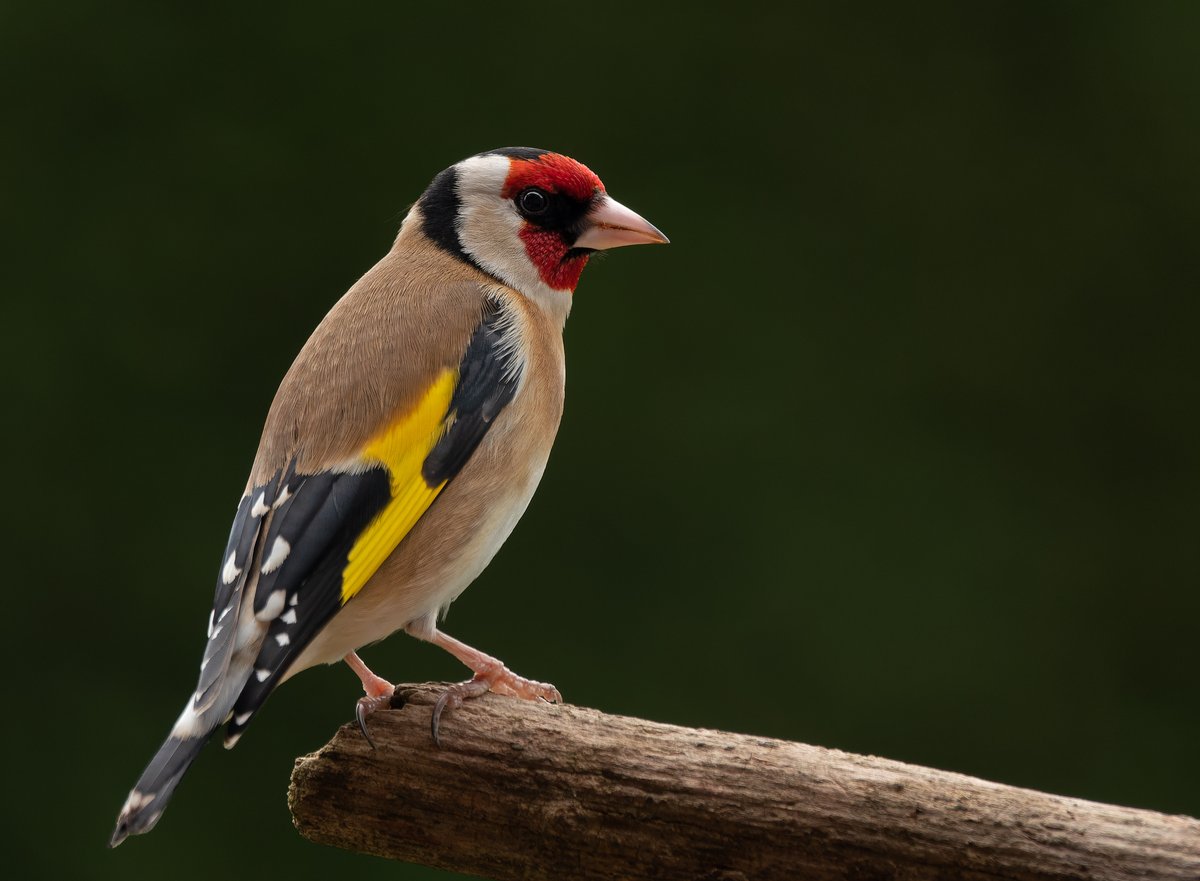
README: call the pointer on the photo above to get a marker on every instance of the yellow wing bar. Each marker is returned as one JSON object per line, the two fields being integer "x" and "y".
{"x": 401, "y": 448}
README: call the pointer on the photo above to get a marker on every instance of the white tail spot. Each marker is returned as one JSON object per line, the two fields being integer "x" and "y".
{"x": 137, "y": 801}
{"x": 189, "y": 724}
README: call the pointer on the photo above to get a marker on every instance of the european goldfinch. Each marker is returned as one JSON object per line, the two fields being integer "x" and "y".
{"x": 402, "y": 447}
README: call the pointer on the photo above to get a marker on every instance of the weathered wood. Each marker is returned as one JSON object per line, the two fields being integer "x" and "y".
{"x": 532, "y": 791}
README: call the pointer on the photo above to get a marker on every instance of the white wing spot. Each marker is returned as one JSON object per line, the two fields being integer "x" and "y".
{"x": 284, "y": 495}
{"x": 272, "y": 607}
{"x": 262, "y": 675}
{"x": 295, "y": 599}
{"x": 288, "y": 617}
{"x": 210, "y": 624}
{"x": 216, "y": 630}
{"x": 243, "y": 718}
{"x": 279, "y": 553}
{"x": 282, "y": 638}
{"x": 230, "y": 573}
{"x": 260, "y": 505}
{"x": 221, "y": 617}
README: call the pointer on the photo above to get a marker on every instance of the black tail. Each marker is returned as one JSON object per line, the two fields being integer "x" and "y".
{"x": 154, "y": 788}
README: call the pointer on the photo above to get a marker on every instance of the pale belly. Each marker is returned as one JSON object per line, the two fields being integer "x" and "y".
{"x": 471, "y": 518}
{"x": 447, "y": 550}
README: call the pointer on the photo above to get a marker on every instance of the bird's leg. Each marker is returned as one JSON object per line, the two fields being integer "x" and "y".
{"x": 490, "y": 675}
{"x": 378, "y": 693}
{"x": 490, "y": 670}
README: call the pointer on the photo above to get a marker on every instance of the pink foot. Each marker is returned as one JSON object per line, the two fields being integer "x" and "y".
{"x": 378, "y": 694}
{"x": 490, "y": 675}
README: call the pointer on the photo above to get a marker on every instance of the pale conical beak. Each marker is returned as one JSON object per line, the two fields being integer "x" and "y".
{"x": 612, "y": 225}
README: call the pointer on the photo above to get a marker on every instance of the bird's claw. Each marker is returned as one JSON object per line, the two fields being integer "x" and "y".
{"x": 453, "y": 698}
{"x": 501, "y": 681}
{"x": 365, "y": 707}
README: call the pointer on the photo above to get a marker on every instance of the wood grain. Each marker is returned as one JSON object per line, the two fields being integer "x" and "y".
{"x": 532, "y": 791}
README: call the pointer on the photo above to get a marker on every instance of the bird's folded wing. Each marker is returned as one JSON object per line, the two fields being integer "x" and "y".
{"x": 317, "y": 538}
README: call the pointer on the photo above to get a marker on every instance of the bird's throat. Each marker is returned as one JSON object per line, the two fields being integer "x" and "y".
{"x": 558, "y": 267}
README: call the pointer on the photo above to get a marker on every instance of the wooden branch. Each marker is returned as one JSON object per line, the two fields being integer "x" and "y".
{"x": 531, "y": 791}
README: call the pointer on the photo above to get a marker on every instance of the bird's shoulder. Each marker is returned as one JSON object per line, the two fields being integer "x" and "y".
{"x": 374, "y": 357}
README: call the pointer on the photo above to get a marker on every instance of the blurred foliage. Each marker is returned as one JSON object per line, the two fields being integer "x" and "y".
{"x": 894, "y": 449}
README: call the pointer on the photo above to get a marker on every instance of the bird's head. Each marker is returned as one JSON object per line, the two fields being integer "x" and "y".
{"x": 528, "y": 217}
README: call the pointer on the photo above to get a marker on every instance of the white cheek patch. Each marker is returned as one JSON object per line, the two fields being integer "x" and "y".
{"x": 489, "y": 226}
{"x": 489, "y": 230}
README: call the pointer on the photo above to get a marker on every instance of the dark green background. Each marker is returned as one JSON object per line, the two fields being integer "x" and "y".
{"x": 893, "y": 449}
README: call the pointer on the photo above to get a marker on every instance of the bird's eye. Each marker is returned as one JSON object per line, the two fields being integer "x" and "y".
{"x": 533, "y": 201}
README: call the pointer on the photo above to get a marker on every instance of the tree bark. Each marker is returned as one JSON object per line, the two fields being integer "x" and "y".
{"x": 530, "y": 791}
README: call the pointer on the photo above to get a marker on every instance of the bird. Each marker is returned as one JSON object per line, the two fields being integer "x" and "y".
{"x": 400, "y": 450}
